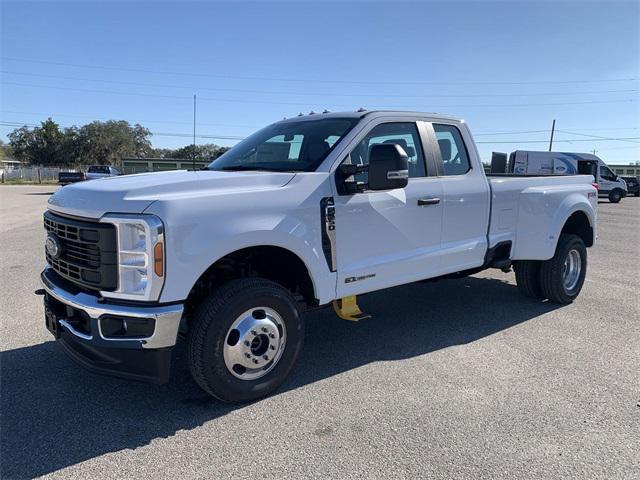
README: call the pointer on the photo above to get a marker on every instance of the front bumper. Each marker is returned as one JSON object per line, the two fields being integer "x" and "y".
{"x": 78, "y": 320}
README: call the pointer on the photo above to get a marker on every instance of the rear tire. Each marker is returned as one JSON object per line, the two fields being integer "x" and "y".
{"x": 528, "y": 278}
{"x": 562, "y": 277}
{"x": 221, "y": 335}
{"x": 615, "y": 196}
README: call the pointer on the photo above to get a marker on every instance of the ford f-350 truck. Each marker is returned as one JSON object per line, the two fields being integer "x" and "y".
{"x": 308, "y": 212}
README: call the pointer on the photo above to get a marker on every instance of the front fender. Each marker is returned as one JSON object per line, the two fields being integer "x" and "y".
{"x": 206, "y": 225}
{"x": 323, "y": 280}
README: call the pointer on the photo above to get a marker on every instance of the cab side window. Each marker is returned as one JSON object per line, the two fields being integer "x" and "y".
{"x": 403, "y": 134}
{"x": 455, "y": 159}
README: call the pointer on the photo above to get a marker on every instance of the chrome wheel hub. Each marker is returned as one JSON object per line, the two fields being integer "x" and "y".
{"x": 571, "y": 270}
{"x": 254, "y": 343}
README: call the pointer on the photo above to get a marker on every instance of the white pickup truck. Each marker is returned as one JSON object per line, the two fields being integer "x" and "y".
{"x": 307, "y": 212}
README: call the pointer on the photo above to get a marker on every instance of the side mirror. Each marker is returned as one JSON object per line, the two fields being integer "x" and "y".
{"x": 388, "y": 167}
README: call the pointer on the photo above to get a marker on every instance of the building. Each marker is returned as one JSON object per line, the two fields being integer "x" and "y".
{"x": 626, "y": 170}
{"x": 140, "y": 165}
{"x": 10, "y": 164}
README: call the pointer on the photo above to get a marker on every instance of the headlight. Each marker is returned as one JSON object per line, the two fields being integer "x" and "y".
{"x": 140, "y": 256}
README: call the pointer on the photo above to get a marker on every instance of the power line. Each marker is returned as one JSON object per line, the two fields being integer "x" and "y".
{"x": 606, "y": 129}
{"x": 309, "y": 80}
{"x": 619, "y": 148}
{"x": 97, "y": 117}
{"x": 325, "y": 94}
{"x": 569, "y": 140}
{"x": 89, "y": 90}
{"x": 476, "y": 134}
{"x": 226, "y": 100}
{"x": 509, "y": 133}
{"x": 586, "y": 135}
{"x": 157, "y": 134}
{"x": 232, "y": 137}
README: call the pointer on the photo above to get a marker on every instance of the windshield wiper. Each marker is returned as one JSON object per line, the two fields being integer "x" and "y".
{"x": 247, "y": 168}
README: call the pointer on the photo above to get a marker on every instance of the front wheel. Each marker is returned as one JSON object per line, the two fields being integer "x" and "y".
{"x": 615, "y": 196}
{"x": 562, "y": 277}
{"x": 245, "y": 339}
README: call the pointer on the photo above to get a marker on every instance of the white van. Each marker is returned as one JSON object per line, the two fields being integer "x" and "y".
{"x": 564, "y": 163}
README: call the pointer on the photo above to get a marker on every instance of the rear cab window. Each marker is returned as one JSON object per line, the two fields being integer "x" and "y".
{"x": 453, "y": 151}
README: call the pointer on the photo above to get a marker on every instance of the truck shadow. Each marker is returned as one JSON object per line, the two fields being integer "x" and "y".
{"x": 55, "y": 414}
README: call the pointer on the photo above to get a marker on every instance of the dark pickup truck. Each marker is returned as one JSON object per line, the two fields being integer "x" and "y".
{"x": 633, "y": 186}
{"x": 65, "y": 178}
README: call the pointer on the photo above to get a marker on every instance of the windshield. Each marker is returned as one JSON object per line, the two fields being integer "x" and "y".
{"x": 98, "y": 169}
{"x": 286, "y": 147}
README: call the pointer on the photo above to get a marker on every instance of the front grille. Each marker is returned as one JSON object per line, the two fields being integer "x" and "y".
{"x": 89, "y": 251}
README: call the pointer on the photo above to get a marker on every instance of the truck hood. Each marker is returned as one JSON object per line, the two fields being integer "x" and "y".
{"x": 134, "y": 193}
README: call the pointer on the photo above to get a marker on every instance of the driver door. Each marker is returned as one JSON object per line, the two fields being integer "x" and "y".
{"x": 386, "y": 238}
{"x": 608, "y": 180}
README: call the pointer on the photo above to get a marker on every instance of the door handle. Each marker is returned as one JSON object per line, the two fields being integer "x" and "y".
{"x": 428, "y": 201}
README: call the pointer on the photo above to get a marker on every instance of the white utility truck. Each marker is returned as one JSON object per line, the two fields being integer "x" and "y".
{"x": 308, "y": 212}
{"x": 609, "y": 184}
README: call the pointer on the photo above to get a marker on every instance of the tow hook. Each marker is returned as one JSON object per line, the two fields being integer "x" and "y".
{"x": 40, "y": 291}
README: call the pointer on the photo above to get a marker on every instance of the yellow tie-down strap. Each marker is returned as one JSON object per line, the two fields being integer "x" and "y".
{"x": 347, "y": 309}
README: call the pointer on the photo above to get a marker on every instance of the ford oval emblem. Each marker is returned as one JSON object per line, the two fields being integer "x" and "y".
{"x": 53, "y": 246}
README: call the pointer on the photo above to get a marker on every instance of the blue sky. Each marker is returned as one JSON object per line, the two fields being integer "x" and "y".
{"x": 508, "y": 68}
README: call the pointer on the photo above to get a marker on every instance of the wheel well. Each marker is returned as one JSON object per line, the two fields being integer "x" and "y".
{"x": 578, "y": 224}
{"x": 274, "y": 263}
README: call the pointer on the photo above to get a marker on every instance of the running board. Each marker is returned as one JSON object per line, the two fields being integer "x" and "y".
{"x": 347, "y": 309}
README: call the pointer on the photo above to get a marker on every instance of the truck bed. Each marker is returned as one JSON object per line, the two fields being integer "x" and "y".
{"x": 529, "y": 211}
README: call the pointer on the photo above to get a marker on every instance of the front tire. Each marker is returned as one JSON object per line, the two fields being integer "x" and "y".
{"x": 562, "y": 277}
{"x": 615, "y": 196}
{"x": 245, "y": 339}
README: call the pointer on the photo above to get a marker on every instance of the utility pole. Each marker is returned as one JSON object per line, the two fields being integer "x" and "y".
{"x": 553, "y": 129}
{"x": 194, "y": 132}
{"x": 594, "y": 151}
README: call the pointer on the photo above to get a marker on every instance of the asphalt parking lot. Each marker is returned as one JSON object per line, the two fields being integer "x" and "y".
{"x": 460, "y": 378}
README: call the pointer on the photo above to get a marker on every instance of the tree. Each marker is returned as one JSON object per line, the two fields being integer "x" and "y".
{"x": 41, "y": 145}
{"x": 95, "y": 143}
{"x": 206, "y": 152}
{"x": 5, "y": 150}
{"x": 161, "y": 153}
{"x": 108, "y": 142}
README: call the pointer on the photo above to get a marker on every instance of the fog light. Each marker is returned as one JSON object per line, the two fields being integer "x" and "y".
{"x": 126, "y": 327}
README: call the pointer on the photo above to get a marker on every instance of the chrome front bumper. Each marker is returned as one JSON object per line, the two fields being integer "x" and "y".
{"x": 167, "y": 318}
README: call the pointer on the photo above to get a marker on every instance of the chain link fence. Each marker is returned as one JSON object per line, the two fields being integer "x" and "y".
{"x": 33, "y": 174}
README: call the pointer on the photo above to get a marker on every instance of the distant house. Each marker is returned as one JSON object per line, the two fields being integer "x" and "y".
{"x": 626, "y": 170}
{"x": 10, "y": 164}
{"x": 140, "y": 165}
{"x": 7, "y": 165}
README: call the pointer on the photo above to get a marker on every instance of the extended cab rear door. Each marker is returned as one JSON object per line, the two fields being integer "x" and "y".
{"x": 466, "y": 196}
{"x": 392, "y": 237}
